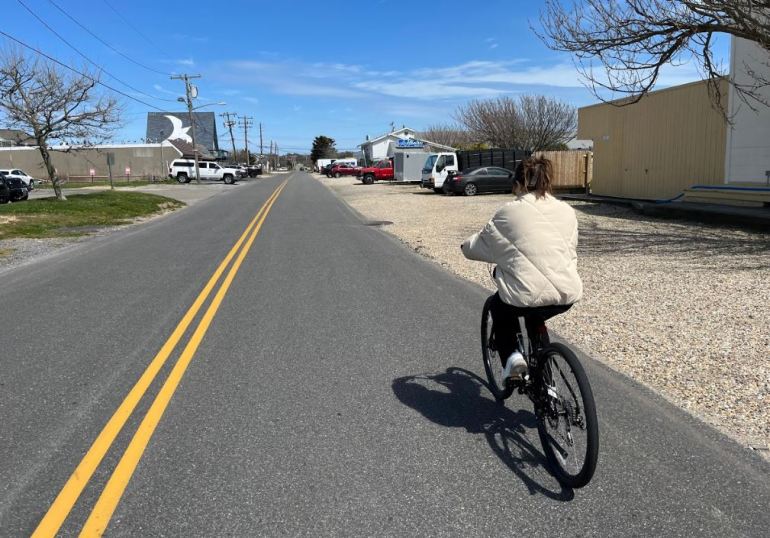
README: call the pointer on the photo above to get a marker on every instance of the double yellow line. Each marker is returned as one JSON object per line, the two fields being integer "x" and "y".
{"x": 108, "y": 500}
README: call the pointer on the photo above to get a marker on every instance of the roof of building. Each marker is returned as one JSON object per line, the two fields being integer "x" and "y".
{"x": 16, "y": 137}
{"x": 185, "y": 148}
{"x": 66, "y": 147}
{"x": 407, "y": 132}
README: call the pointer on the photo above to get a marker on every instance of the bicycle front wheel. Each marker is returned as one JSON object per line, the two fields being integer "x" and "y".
{"x": 567, "y": 423}
{"x": 498, "y": 386}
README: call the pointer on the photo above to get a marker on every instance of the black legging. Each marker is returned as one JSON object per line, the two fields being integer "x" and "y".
{"x": 505, "y": 319}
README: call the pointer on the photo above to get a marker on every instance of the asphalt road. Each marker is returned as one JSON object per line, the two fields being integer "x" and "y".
{"x": 335, "y": 392}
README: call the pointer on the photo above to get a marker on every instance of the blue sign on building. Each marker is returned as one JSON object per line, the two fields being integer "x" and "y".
{"x": 405, "y": 143}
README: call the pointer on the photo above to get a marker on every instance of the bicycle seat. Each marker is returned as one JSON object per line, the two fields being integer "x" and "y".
{"x": 536, "y": 313}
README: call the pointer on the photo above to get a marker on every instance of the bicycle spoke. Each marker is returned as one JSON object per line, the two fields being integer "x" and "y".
{"x": 563, "y": 409}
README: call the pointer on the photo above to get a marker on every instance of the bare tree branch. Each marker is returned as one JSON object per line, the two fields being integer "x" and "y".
{"x": 37, "y": 96}
{"x": 448, "y": 135}
{"x": 531, "y": 122}
{"x": 620, "y": 46}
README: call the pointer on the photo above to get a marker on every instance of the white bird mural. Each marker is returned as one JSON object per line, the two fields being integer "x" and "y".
{"x": 178, "y": 132}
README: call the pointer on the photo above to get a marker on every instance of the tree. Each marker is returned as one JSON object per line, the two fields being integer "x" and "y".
{"x": 39, "y": 97}
{"x": 531, "y": 122}
{"x": 633, "y": 40}
{"x": 323, "y": 148}
{"x": 447, "y": 134}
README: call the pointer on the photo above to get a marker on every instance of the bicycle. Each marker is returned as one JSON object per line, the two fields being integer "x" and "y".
{"x": 565, "y": 410}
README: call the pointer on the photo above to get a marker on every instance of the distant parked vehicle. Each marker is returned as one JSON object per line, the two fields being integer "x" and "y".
{"x": 326, "y": 169}
{"x": 28, "y": 180}
{"x": 254, "y": 170}
{"x": 184, "y": 171}
{"x": 382, "y": 171}
{"x": 472, "y": 181}
{"x": 13, "y": 189}
{"x": 5, "y": 191}
{"x": 439, "y": 166}
{"x": 239, "y": 168}
{"x": 344, "y": 169}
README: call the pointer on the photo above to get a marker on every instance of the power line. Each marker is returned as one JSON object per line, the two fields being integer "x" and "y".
{"x": 73, "y": 47}
{"x": 89, "y": 77}
{"x": 134, "y": 28}
{"x": 103, "y": 42}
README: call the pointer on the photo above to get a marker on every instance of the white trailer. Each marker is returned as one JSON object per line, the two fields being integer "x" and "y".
{"x": 408, "y": 165}
{"x": 320, "y": 163}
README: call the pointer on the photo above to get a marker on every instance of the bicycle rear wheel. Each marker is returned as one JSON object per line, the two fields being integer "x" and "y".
{"x": 567, "y": 423}
{"x": 498, "y": 386}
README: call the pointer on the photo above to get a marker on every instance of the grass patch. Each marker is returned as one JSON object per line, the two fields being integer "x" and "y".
{"x": 4, "y": 252}
{"x": 48, "y": 217}
{"x": 118, "y": 183}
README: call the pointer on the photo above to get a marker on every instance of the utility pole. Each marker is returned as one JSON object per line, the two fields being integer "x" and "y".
{"x": 246, "y": 123}
{"x": 261, "y": 150}
{"x": 163, "y": 167}
{"x": 191, "y": 92}
{"x": 229, "y": 124}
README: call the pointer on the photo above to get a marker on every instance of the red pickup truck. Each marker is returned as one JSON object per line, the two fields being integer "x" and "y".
{"x": 382, "y": 171}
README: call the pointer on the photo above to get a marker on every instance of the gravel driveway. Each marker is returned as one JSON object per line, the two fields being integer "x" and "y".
{"x": 683, "y": 308}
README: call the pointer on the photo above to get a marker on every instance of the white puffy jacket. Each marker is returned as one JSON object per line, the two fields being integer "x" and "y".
{"x": 533, "y": 241}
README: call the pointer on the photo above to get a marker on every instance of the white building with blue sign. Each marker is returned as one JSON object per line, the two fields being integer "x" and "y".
{"x": 405, "y": 139}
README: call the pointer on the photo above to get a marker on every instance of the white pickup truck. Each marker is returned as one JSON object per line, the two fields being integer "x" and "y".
{"x": 184, "y": 171}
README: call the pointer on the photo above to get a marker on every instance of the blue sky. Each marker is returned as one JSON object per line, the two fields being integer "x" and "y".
{"x": 340, "y": 68}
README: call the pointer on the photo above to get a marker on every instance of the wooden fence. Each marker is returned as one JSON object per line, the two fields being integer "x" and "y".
{"x": 572, "y": 169}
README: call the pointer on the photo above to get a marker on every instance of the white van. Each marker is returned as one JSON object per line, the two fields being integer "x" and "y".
{"x": 437, "y": 168}
{"x": 184, "y": 171}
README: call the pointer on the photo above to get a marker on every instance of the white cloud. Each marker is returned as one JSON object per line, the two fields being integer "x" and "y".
{"x": 481, "y": 78}
{"x": 427, "y": 89}
{"x": 161, "y": 89}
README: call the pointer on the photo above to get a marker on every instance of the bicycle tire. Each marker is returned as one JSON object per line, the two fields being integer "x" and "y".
{"x": 490, "y": 357}
{"x": 585, "y": 471}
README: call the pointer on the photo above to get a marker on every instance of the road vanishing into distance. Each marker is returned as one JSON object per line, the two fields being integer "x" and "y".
{"x": 267, "y": 363}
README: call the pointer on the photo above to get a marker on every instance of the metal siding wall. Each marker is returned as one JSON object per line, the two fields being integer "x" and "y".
{"x": 667, "y": 142}
{"x": 78, "y": 163}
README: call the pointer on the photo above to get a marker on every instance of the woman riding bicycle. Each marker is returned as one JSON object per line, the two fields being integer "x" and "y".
{"x": 533, "y": 241}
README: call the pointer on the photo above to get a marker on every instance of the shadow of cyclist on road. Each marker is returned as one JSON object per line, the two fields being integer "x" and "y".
{"x": 456, "y": 401}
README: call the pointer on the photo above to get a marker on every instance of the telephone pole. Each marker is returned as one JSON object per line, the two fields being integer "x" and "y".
{"x": 229, "y": 124}
{"x": 191, "y": 92}
{"x": 246, "y": 123}
{"x": 261, "y": 151}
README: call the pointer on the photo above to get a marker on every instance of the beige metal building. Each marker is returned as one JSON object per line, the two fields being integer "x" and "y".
{"x": 655, "y": 149}
{"x": 133, "y": 161}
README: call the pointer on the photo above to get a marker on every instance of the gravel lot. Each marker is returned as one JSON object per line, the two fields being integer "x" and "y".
{"x": 683, "y": 308}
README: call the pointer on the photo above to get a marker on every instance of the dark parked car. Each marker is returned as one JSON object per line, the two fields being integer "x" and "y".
{"x": 472, "y": 181}
{"x": 12, "y": 190}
